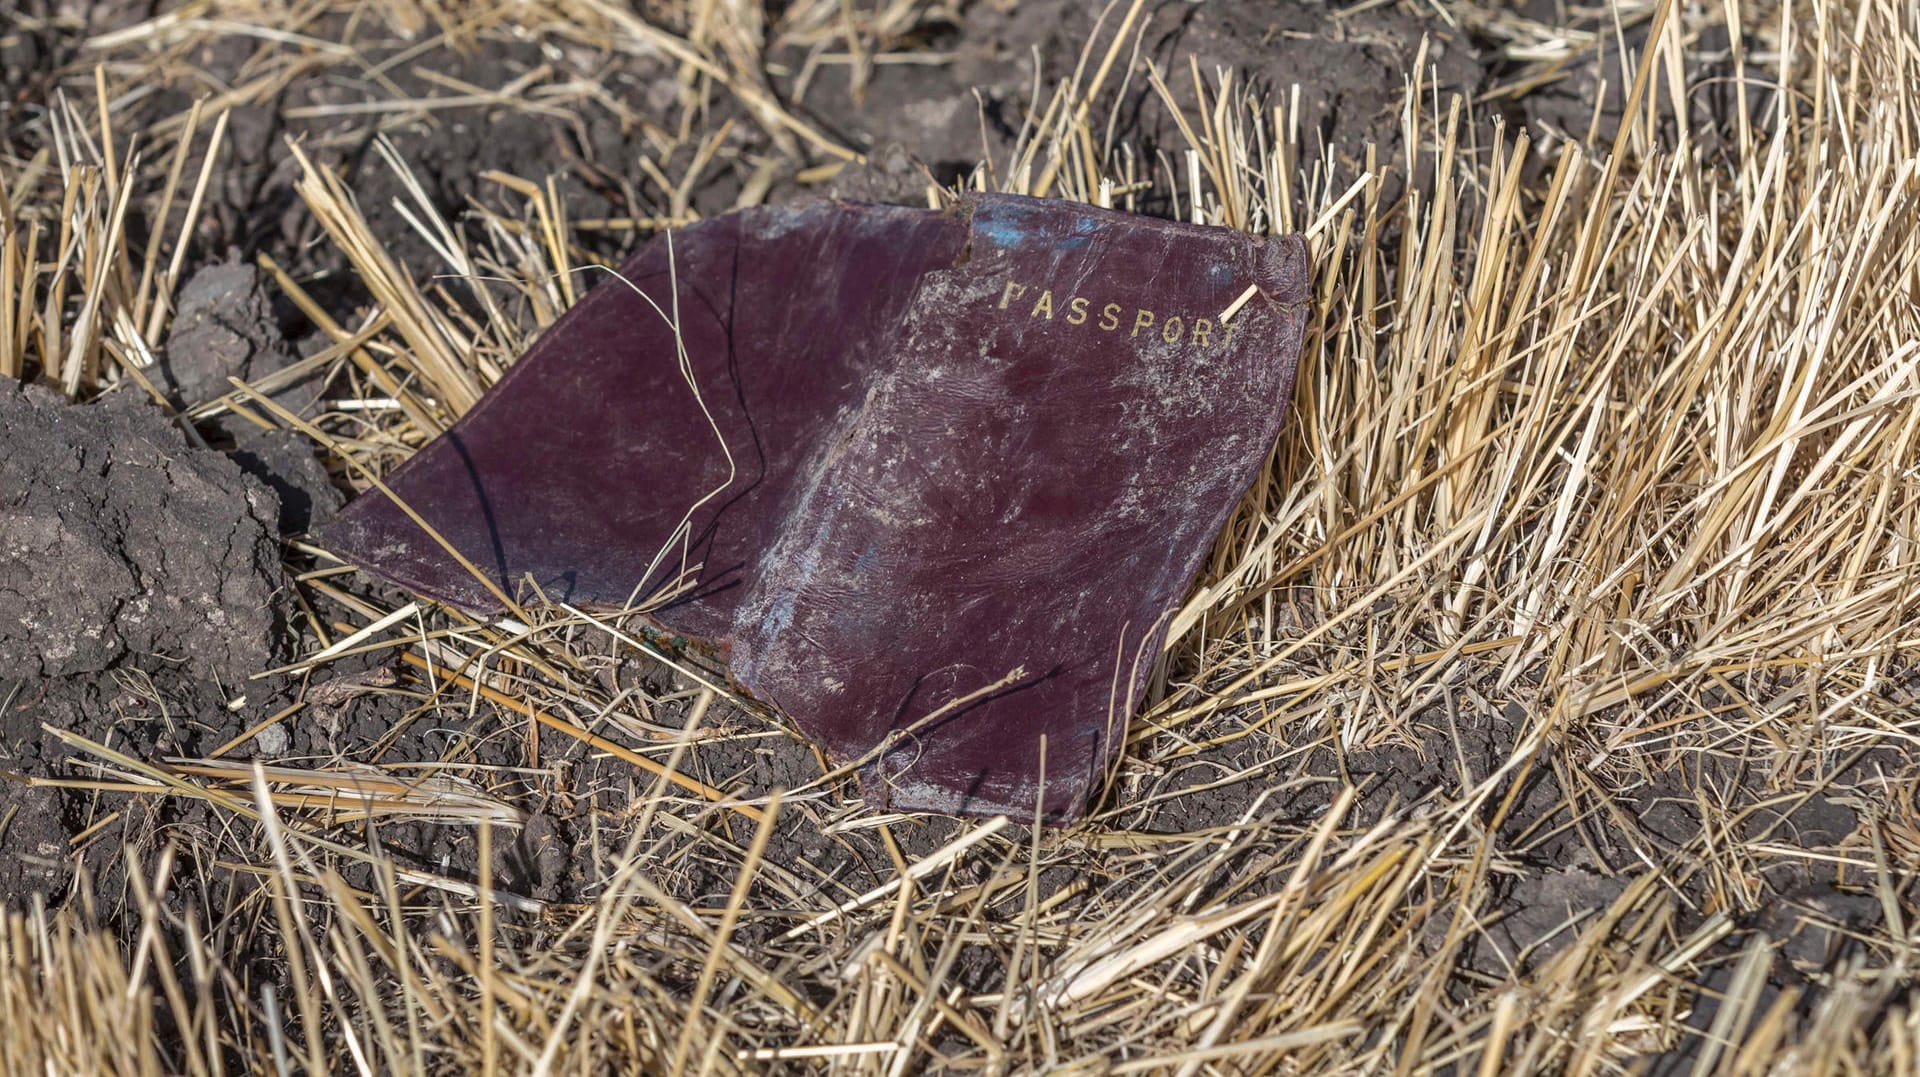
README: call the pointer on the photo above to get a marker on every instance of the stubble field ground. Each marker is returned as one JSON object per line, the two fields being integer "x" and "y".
{"x": 1547, "y": 706}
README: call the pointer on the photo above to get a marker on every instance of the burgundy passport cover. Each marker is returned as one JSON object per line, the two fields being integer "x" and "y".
{"x": 893, "y": 457}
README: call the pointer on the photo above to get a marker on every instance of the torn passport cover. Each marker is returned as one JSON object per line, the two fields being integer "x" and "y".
{"x": 928, "y": 482}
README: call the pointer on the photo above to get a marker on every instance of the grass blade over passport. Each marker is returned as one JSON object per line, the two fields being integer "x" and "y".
{"x": 932, "y": 482}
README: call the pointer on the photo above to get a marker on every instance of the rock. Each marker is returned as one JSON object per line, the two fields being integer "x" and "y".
{"x": 272, "y": 742}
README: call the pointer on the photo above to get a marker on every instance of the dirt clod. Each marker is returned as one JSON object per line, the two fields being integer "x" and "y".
{"x": 285, "y": 462}
{"x": 117, "y": 539}
{"x": 224, "y": 328}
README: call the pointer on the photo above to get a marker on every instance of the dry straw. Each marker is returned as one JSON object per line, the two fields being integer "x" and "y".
{"x": 1604, "y": 452}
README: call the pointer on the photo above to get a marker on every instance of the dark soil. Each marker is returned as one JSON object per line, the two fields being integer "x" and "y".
{"x": 124, "y": 547}
{"x": 141, "y": 574}
{"x": 140, "y": 587}
{"x": 1349, "y": 72}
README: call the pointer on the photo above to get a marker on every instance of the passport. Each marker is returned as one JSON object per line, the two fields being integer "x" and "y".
{"x": 930, "y": 483}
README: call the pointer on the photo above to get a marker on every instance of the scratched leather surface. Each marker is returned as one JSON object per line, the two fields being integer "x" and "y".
{"x": 957, "y": 444}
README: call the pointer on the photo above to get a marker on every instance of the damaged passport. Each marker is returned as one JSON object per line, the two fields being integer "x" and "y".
{"x": 927, "y": 482}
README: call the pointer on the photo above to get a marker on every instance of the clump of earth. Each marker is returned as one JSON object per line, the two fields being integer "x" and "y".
{"x": 119, "y": 543}
{"x": 124, "y": 552}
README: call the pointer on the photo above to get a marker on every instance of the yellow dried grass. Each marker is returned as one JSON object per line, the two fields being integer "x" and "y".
{"x": 1631, "y": 447}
